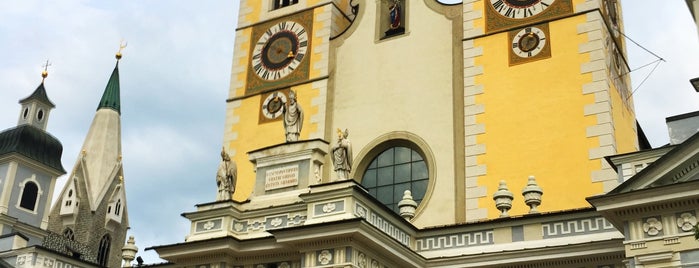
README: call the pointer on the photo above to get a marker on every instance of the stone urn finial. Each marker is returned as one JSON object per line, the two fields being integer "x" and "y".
{"x": 503, "y": 199}
{"x": 407, "y": 206}
{"x": 532, "y": 195}
{"x": 128, "y": 252}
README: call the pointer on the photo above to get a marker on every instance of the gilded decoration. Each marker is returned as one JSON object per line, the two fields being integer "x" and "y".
{"x": 496, "y": 22}
{"x": 255, "y": 84}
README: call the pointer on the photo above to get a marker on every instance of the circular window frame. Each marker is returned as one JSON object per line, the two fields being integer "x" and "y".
{"x": 398, "y": 139}
{"x": 40, "y": 115}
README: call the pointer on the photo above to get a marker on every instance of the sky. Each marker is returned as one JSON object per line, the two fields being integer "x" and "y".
{"x": 175, "y": 75}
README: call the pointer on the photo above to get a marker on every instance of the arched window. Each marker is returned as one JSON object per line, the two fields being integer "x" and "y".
{"x": 30, "y": 194}
{"x": 68, "y": 233}
{"x": 103, "y": 253}
{"x": 393, "y": 171}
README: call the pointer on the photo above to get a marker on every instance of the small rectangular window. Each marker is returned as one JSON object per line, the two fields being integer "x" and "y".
{"x": 277, "y": 4}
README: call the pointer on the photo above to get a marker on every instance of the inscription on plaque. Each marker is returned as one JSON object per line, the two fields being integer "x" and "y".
{"x": 281, "y": 177}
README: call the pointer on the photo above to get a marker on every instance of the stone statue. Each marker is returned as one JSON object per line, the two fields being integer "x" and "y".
{"x": 293, "y": 118}
{"x": 342, "y": 155}
{"x": 226, "y": 177}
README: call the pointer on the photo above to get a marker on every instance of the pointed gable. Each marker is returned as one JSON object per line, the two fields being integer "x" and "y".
{"x": 678, "y": 165}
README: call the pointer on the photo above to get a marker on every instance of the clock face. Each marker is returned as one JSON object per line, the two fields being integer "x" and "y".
{"x": 272, "y": 105}
{"x": 520, "y": 9}
{"x": 280, "y": 50}
{"x": 528, "y": 42}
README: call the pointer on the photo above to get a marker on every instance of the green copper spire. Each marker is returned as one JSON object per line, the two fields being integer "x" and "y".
{"x": 110, "y": 98}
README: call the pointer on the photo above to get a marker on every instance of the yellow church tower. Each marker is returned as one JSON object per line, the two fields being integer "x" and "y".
{"x": 444, "y": 100}
{"x": 546, "y": 93}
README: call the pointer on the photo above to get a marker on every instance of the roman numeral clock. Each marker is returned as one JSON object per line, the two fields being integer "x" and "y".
{"x": 528, "y": 40}
{"x": 279, "y": 54}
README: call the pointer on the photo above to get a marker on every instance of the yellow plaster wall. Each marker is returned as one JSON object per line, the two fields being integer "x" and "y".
{"x": 255, "y": 7}
{"x": 534, "y": 122}
{"x": 624, "y": 123}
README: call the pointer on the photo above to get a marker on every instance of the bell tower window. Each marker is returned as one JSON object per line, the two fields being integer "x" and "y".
{"x": 30, "y": 195}
{"x": 277, "y": 4}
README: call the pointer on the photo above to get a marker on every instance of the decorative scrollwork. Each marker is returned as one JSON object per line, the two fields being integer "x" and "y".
{"x": 361, "y": 260}
{"x": 276, "y": 222}
{"x": 329, "y": 207}
{"x": 208, "y": 225}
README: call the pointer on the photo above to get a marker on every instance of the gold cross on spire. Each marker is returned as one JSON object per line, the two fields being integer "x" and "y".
{"x": 122, "y": 45}
{"x": 45, "y": 73}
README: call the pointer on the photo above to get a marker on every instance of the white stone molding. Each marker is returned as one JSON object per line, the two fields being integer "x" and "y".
{"x": 472, "y": 129}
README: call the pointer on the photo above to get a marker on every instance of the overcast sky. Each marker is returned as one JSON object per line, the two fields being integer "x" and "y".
{"x": 175, "y": 77}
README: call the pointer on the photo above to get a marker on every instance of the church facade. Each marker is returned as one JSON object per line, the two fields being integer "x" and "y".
{"x": 479, "y": 134}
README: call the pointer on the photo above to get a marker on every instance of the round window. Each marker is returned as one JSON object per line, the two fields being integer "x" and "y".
{"x": 392, "y": 172}
{"x": 26, "y": 112}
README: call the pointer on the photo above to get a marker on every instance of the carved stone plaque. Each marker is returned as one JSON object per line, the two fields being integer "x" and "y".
{"x": 281, "y": 177}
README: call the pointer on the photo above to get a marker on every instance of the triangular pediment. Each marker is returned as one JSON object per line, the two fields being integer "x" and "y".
{"x": 676, "y": 166}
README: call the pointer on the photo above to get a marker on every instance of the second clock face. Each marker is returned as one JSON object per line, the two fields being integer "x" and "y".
{"x": 528, "y": 42}
{"x": 280, "y": 50}
{"x": 520, "y": 9}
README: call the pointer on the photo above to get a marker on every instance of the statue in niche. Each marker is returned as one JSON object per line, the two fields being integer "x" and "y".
{"x": 293, "y": 118}
{"x": 394, "y": 18}
{"x": 226, "y": 177}
{"x": 342, "y": 155}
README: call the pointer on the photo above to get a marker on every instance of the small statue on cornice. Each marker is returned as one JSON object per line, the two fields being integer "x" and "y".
{"x": 226, "y": 177}
{"x": 293, "y": 118}
{"x": 342, "y": 155}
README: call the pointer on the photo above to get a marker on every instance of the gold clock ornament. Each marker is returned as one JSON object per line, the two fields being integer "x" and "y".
{"x": 279, "y": 53}
{"x": 529, "y": 44}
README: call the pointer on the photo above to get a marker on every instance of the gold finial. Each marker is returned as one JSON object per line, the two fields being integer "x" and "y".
{"x": 45, "y": 73}
{"x": 122, "y": 45}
